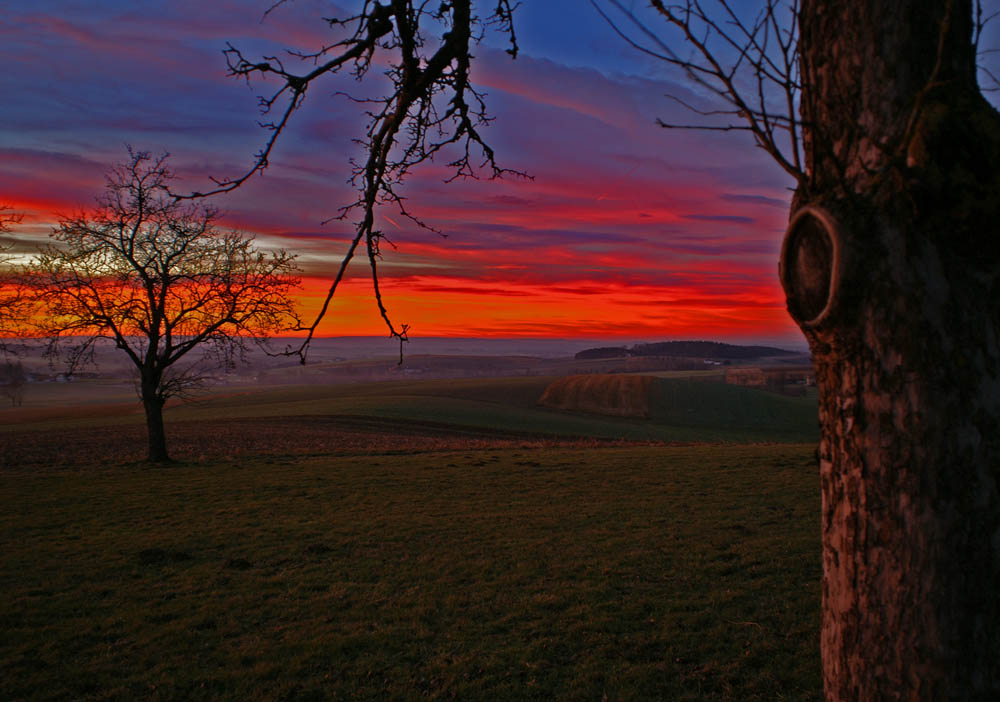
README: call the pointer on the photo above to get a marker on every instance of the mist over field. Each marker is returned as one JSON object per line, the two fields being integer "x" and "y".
{"x": 345, "y": 359}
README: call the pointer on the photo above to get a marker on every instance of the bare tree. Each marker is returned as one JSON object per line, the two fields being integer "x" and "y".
{"x": 157, "y": 277}
{"x": 12, "y": 382}
{"x": 891, "y": 270}
{"x": 431, "y": 110}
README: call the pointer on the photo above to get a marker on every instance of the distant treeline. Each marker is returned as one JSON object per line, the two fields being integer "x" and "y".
{"x": 688, "y": 349}
{"x": 604, "y": 352}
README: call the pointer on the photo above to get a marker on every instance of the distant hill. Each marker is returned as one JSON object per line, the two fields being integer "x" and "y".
{"x": 686, "y": 349}
{"x": 707, "y": 349}
{"x": 603, "y": 352}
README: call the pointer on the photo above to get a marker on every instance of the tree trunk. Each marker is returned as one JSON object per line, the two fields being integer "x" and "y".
{"x": 891, "y": 270}
{"x": 153, "y": 403}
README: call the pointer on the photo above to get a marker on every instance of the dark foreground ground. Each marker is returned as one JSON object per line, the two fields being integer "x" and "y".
{"x": 277, "y": 567}
{"x": 45, "y": 449}
{"x": 409, "y": 540}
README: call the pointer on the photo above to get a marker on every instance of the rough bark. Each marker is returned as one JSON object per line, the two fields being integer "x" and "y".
{"x": 899, "y": 302}
{"x": 152, "y": 403}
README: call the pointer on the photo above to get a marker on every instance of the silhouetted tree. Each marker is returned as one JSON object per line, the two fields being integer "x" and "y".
{"x": 156, "y": 277}
{"x": 889, "y": 265}
{"x": 12, "y": 382}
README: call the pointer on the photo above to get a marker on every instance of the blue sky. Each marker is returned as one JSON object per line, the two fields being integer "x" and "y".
{"x": 627, "y": 229}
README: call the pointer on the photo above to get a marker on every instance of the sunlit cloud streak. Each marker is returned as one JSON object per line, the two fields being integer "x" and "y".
{"x": 626, "y": 230}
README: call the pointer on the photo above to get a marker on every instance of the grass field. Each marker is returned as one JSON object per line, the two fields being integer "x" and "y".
{"x": 405, "y": 540}
{"x": 684, "y": 573}
{"x": 683, "y": 410}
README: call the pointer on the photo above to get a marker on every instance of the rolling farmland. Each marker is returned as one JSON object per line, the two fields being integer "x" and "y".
{"x": 414, "y": 538}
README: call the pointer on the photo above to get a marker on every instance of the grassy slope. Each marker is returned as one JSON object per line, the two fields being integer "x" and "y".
{"x": 682, "y": 403}
{"x": 667, "y": 573}
{"x": 683, "y": 410}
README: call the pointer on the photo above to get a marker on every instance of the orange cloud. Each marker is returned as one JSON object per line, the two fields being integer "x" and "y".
{"x": 439, "y": 306}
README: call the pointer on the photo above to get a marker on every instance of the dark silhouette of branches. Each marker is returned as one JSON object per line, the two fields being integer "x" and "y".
{"x": 989, "y": 81}
{"x": 13, "y": 310}
{"x": 156, "y": 277}
{"x": 12, "y": 382}
{"x": 8, "y": 217}
{"x": 431, "y": 110}
{"x": 749, "y": 64}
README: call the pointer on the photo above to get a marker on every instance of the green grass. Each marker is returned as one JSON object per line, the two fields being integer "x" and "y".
{"x": 685, "y": 573}
{"x": 689, "y": 403}
{"x": 682, "y": 411}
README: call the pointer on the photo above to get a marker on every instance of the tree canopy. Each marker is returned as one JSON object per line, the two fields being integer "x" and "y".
{"x": 157, "y": 277}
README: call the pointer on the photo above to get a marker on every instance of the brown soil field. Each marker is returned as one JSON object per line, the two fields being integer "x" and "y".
{"x": 617, "y": 395}
{"x": 62, "y": 448}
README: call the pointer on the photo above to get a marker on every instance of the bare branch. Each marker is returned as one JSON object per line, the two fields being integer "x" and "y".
{"x": 730, "y": 53}
{"x": 432, "y": 109}
{"x": 704, "y": 128}
{"x": 156, "y": 277}
{"x": 13, "y": 308}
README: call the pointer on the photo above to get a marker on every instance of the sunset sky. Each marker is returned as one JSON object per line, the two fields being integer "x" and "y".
{"x": 627, "y": 231}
